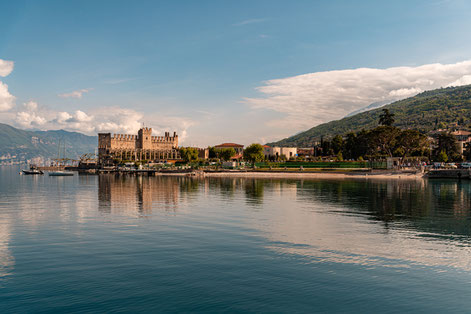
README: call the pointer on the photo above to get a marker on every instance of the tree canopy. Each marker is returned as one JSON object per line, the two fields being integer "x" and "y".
{"x": 447, "y": 143}
{"x": 386, "y": 118}
{"x": 189, "y": 154}
{"x": 226, "y": 153}
{"x": 254, "y": 153}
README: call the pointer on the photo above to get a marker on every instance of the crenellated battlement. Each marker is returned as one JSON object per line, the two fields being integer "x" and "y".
{"x": 164, "y": 139}
{"x": 143, "y": 141}
{"x": 124, "y": 137}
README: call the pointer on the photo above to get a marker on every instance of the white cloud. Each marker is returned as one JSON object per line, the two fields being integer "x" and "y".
{"x": 7, "y": 100}
{"x": 310, "y": 99}
{"x": 464, "y": 80}
{"x": 29, "y": 117}
{"x": 6, "y": 67}
{"x": 106, "y": 119}
{"x": 75, "y": 94}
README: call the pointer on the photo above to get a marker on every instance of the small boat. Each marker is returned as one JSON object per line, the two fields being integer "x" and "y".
{"x": 32, "y": 170}
{"x": 61, "y": 173}
{"x": 35, "y": 171}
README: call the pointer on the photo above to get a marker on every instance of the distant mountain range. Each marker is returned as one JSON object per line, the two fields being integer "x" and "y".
{"x": 29, "y": 144}
{"x": 426, "y": 111}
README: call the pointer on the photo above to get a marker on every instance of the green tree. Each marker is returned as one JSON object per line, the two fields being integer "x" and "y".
{"x": 189, "y": 154}
{"x": 213, "y": 153}
{"x": 337, "y": 144}
{"x": 362, "y": 144}
{"x": 227, "y": 153}
{"x": 386, "y": 118}
{"x": 350, "y": 146}
{"x": 383, "y": 139}
{"x": 412, "y": 141}
{"x": 442, "y": 156}
{"x": 447, "y": 143}
{"x": 254, "y": 153}
{"x": 326, "y": 147}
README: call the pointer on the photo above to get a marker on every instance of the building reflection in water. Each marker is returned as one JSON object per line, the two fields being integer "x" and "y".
{"x": 137, "y": 194}
{"x": 142, "y": 194}
{"x": 362, "y": 221}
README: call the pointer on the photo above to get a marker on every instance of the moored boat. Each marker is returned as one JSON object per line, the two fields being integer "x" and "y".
{"x": 32, "y": 170}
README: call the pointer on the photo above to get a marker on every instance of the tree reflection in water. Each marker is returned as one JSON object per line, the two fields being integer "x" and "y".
{"x": 430, "y": 206}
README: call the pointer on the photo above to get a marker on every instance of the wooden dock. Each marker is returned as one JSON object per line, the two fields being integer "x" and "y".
{"x": 449, "y": 174}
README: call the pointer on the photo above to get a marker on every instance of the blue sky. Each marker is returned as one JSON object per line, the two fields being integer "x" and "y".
{"x": 206, "y": 68}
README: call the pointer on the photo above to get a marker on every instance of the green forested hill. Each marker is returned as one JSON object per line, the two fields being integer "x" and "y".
{"x": 424, "y": 112}
{"x": 30, "y": 144}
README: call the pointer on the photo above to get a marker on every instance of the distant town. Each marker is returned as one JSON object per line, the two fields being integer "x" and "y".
{"x": 379, "y": 144}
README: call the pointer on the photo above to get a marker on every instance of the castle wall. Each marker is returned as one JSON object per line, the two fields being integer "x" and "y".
{"x": 137, "y": 147}
{"x": 123, "y": 141}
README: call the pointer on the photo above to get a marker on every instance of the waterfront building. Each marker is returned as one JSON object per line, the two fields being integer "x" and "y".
{"x": 140, "y": 147}
{"x": 276, "y": 152}
{"x": 462, "y": 139}
{"x": 203, "y": 153}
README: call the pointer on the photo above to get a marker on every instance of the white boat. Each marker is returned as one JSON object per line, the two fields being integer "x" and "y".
{"x": 32, "y": 170}
{"x": 61, "y": 173}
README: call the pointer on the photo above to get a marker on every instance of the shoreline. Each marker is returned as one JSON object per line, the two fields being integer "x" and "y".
{"x": 303, "y": 175}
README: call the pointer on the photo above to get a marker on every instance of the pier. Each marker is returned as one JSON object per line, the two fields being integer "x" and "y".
{"x": 449, "y": 174}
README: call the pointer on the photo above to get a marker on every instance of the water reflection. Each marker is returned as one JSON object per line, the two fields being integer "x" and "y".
{"x": 395, "y": 223}
{"x": 428, "y": 206}
{"x": 392, "y": 223}
{"x": 137, "y": 195}
{"x": 6, "y": 258}
{"x": 250, "y": 189}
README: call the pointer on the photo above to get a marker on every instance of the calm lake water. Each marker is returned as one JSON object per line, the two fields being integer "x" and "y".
{"x": 139, "y": 244}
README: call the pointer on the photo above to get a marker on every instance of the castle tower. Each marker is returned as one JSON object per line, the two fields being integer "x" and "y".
{"x": 145, "y": 138}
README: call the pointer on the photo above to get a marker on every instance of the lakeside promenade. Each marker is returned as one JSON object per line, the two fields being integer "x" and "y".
{"x": 278, "y": 174}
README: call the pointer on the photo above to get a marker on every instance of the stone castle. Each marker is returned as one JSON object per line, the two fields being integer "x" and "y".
{"x": 142, "y": 146}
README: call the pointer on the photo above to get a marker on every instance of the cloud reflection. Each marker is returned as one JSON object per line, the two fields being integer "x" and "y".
{"x": 394, "y": 224}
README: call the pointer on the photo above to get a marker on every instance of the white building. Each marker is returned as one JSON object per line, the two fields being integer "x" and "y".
{"x": 289, "y": 152}
{"x": 462, "y": 139}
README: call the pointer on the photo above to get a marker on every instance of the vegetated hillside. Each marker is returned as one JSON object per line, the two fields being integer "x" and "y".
{"x": 31, "y": 144}
{"x": 425, "y": 112}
